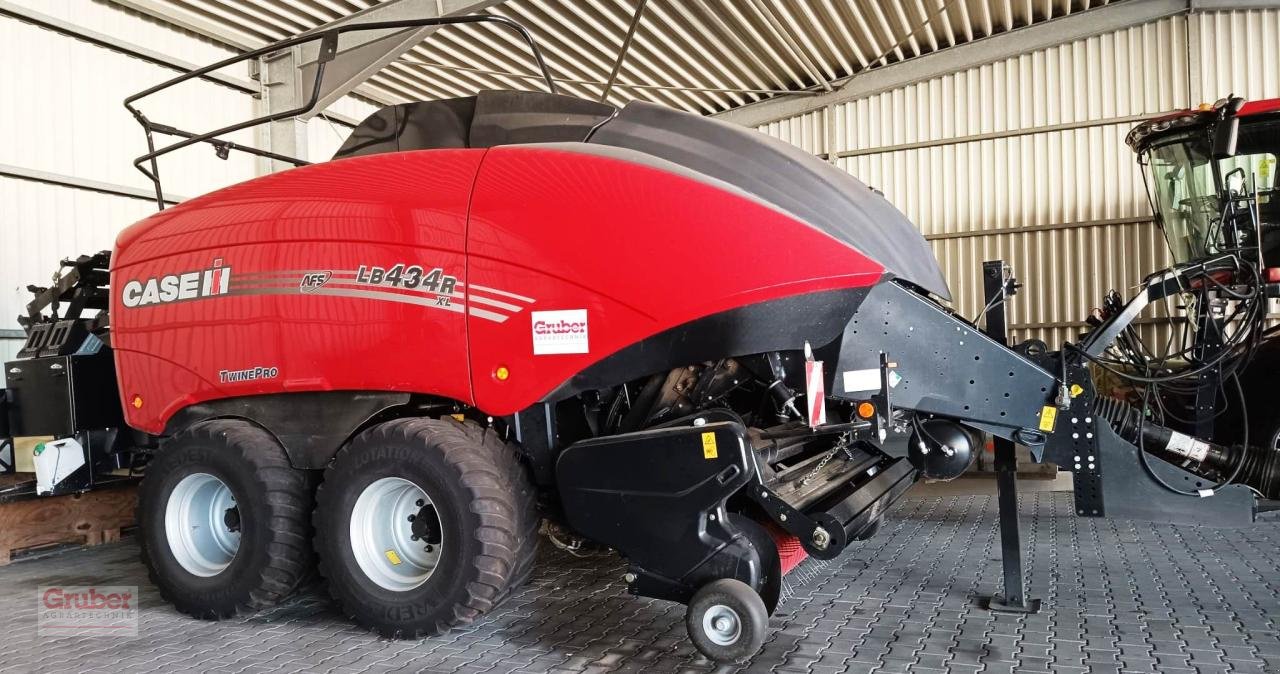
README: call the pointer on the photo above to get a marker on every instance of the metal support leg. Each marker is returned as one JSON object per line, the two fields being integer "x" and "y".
{"x": 998, "y": 286}
{"x": 1014, "y": 599}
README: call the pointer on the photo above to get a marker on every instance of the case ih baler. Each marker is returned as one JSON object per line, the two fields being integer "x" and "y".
{"x": 660, "y": 333}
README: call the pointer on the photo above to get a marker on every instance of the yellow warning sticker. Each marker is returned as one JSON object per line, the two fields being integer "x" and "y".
{"x": 1048, "y": 418}
{"x": 1076, "y": 390}
{"x": 709, "y": 446}
{"x": 393, "y": 557}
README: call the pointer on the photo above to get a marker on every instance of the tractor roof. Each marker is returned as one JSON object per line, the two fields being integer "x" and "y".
{"x": 1156, "y": 128}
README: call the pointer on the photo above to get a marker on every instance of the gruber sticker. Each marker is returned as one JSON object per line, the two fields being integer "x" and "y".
{"x": 560, "y": 332}
{"x": 189, "y": 285}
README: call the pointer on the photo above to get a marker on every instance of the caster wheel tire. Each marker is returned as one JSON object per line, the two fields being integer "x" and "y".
{"x": 423, "y": 525}
{"x": 225, "y": 520}
{"x": 727, "y": 621}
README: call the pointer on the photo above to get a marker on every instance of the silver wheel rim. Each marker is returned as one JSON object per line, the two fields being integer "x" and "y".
{"x": 196, "y": 524}
{"x": 722, "y": 625}
{"x": 382, "y": 534}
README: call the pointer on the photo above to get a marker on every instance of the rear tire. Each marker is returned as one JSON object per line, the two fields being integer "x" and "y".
{"x": 470, "y": 543}
{"x": 224, "y": 520}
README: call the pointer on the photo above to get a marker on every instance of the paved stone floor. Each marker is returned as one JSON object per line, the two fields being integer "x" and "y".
{"x": 1119, "y": 597}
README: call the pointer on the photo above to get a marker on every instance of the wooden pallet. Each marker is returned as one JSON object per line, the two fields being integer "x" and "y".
{"x": 90, "y": 518}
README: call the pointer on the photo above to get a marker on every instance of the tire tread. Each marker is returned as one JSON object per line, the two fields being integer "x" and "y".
{"x": 502, "y": 500}
{"x": 288, "y": 495}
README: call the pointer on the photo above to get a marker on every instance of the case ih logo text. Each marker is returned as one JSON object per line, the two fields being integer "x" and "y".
{"x": 560, "y": 332}
{"x": 251, "y": 374}
{"x": 176, "y": 287}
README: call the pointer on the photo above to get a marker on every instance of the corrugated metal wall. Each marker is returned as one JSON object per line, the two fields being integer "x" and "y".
{"x": 1021, "y": 159}
{"x": 61, "y": 115}
{"x": 1024, "y": 159}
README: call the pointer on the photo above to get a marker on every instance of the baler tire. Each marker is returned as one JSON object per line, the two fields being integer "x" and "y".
{"x": 526, "y": 510}
{"x": 273, "y": 501}
{"x": 484, "y": 505}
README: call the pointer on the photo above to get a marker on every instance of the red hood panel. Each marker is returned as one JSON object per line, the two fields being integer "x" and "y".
{"x": 484, "y": 278}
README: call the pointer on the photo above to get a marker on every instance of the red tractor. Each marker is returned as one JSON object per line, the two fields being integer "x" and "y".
{"x": 657, "y": 332}
{"x": 1212, "y": 178}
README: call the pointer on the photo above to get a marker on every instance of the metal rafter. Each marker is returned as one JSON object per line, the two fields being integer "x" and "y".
{"x": 699, "y": 55}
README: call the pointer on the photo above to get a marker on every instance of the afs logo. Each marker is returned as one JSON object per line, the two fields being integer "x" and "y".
{"x": 313, "y": 281}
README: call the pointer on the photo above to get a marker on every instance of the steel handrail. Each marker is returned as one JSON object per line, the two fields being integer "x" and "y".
{"x": 328, "y": 51}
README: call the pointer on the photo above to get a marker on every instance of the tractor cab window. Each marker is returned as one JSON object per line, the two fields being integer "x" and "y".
{"x": 1185, "y": 189}
{"x": 1182, "y": 189}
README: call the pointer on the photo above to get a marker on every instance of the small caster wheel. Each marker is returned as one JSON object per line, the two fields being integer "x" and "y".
{"x": 727, "y": 620}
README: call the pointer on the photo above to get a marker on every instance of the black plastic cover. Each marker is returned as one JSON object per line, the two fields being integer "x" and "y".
{"x": 487, "y": 119}
{"x": 521, "y": 117}
{"x": 63, "y": 395}
{"x": 785, "y": 176}
{"x": 412, "y": 126}
{"x": 658, "y": 496}
{"x": 777, "y": 173}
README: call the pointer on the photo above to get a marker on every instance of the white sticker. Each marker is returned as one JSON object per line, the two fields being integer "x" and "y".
{"x": 560, "y": 332}
{"x": 894, "y": 379}
{"x": 856, "y": 381}
{"x": 1187, "y": 446}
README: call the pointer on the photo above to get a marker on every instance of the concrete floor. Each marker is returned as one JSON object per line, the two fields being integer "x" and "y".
{"x": 1119, "y": 597}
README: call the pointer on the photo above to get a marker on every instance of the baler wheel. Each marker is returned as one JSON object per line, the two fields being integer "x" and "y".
{"x": 727, "y": 621}
{"x": 423, "y": 525}
{"x": 224, "y": 520}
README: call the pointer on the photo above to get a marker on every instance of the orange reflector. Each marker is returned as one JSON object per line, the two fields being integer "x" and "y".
{"x": 136, "y": 402}
{"x": 866, "y": 410}
{"x": 502, "y": 373}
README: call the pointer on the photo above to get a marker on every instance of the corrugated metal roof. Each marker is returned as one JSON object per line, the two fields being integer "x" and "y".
{"x": 699, "y": 55}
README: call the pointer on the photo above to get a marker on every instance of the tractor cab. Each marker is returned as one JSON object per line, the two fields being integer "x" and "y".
{"x": 1211, "y": 176}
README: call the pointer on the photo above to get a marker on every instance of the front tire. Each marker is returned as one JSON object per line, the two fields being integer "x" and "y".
{"x": 224, "y": 520}
{"x": 423, "y": 525}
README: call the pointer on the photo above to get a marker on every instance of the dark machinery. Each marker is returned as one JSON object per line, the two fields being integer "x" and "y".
{"x": 1204, "y": 399}
{"x": 62, "y": 383}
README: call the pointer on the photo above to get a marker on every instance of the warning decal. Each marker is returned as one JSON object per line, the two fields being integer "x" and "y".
{"x": 709, "y": 445}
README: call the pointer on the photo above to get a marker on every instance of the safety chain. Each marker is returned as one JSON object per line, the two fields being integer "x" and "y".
{"x": 842, "y": 444}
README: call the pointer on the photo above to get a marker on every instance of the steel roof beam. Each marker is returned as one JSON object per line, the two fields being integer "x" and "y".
{"x": 962, "y": 57}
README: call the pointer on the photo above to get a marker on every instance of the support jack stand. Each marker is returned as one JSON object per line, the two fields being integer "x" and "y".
{"x": 998, "y": 286}
{"x": 1014, "y": 599}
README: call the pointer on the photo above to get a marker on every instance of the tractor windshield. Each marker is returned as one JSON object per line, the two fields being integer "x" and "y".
{"x": 1185, "y": 187}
